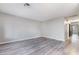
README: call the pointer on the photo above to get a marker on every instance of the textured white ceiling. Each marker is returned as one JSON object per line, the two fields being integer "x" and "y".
{"x": 40, "y": 11}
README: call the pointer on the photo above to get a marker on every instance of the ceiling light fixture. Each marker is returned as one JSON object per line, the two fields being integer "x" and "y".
{"x": 27, "y": 4}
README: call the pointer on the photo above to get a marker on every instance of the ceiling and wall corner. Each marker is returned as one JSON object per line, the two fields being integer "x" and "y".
{"x": 40, "y": 11}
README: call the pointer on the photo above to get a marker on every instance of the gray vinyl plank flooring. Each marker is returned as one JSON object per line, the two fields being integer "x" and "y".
{"x": 37, "y": 46}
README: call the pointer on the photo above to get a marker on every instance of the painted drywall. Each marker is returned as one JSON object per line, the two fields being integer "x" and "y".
{"x": 40, "y": 11}
{"x": 53, "y": 29}
{"x": 14, "y": 28}
{"x": 1, "y": 30}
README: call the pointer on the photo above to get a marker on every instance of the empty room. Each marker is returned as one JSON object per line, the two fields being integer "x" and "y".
{"x": 39, "y": 28}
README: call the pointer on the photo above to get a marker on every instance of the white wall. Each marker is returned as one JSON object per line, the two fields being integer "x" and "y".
{"x": 53, "y": 29}
{"x": 14, "y": 28}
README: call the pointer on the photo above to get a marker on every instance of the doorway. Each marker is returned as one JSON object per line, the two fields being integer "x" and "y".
{"x": 71, "y": 36}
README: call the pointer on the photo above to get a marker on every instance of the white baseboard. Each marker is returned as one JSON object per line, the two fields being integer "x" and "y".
{"x": 55, "y": 39}
{"x": 27, "y": 39}
{"x": 18, "y": 40}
